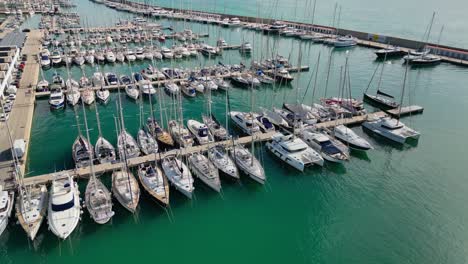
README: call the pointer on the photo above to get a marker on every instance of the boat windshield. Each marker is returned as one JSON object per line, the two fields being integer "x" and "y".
{"x": 329, "y": 148}
{"x": 56, "y": 97}
{"x": 203, "y": 132}
{"x": 63, "y": 207}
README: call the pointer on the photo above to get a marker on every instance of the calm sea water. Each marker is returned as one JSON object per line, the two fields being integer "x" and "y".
{"x": 393, "y": 205}
{"x": 400, "y": 18}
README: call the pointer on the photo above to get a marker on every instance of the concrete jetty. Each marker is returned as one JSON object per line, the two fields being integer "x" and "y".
{"x": 21, "y": 116}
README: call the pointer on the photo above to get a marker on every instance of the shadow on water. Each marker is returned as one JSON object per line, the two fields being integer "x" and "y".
{"x": 336, "y": 168}
{"x": 359, "y": 154}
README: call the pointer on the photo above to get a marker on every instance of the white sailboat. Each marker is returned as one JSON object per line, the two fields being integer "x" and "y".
{"x": 221, "y": 160}
{"x": 330, "y": 149}
{"x": 392, "y": 128}
{"x": 350, "y": 138}
{"x": 98, "y": 199}
{"x": 154, "y": 182}
{"x": 64, "y": 206}
{"x": 204, "y": 170}
{"x": 179, "y": 175}
{"x": 103, "y": 149}
{"x": 248, "y": 164}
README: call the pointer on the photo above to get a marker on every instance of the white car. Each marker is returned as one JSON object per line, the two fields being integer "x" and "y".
{"x": 4, "y": 117}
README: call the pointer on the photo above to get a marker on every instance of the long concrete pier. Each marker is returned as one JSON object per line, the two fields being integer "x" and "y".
{"x": 21, "y": 116}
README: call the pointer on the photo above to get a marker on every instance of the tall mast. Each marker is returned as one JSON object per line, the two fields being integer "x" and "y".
{"x": 402, "y": 92}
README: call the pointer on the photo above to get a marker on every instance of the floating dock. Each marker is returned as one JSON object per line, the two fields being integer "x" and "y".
{"x": 260, "y": 137}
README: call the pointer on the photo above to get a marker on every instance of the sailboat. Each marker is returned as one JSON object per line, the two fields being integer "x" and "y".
{"x": 126, "y": 144}
{"x": 103, "y": 149}
{"x": 146, "y": 142}
{"x": 31, "y": 208}
{"x": 154, "y": 182}
{"x": 393, "y": 128}
{"x": 381, "y": 100}
{"x": 98, "y": 199}
{"x": 180, "y": 134}
{"x": 204, "y": 170}
{"x": 124, "y": 185}
{"x": 330, "y": 149}
{"x": 221, "y": 160}
{"x": 179, "y": 175}
{"x": 350, "y": 138}
{"x": 64, "y": 205}
{"x": 214, "y": 127}
{"x": 81, "y": 148}
{"x": 125, "y": 188}
{"x": 248, "y": 164}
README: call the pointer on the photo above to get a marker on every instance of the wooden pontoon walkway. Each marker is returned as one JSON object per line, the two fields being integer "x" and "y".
{"x": 133, "y": 162}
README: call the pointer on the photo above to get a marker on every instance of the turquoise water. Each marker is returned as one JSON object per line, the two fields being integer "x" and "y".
{"x": 393, "y": 205}
{"x": 399, "y": 18}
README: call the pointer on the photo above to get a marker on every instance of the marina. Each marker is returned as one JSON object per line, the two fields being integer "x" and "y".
{"x": 159, "y": 118}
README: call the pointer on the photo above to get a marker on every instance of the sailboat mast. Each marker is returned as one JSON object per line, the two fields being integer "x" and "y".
{"x": 90, "y": 150}
{"x": 402, "y": 92}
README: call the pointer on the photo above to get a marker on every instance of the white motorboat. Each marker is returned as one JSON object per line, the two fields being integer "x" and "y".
{"x": 64, "y": 206}
{"x": 98, "y": 79}
{"x": 171, "y": 88}
{"x": 56, "y": 57}
{"x": 330, "y": 149}
{"x": 350, "y": 138}
{"x": 180, "y": 134}
{"x": 110, "y": 56}
{"x": 245, "y": 121}
{"x": 125, "y": 189}
{"x": 103, "y": 95}
{"x": 130, "y": 88}
{"x": 120, "y": 57}
{"x": 246, "y": 47}
{"x": 220, "y": 158}
{"x": 392, "y": 129}
{"x": 130, "y": 55}
{"x": 45, "y": 60}
{"x": 222, "y": 84}
{"x": 264, "y": 123}
{"x": 154, "y": 182}
{"x": 31, "y": 208}
{"x": 57, "y": 99}
{"x": 215, "y": 128}
{"x": 111, "y": 78}
{"x": 179, "y": 175}
{"x": 139, "y": 53}
{"x": 167, "y": 53}
{"x": 204, "y": 170}
{"x": 248, "y": 164}
{"x": 294, "y": 151}
{"x": 152, "y": 74}
{"x": 6, "y": 206}
{"x": 346, "y": 41}
{"x": 200, "y": 131}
